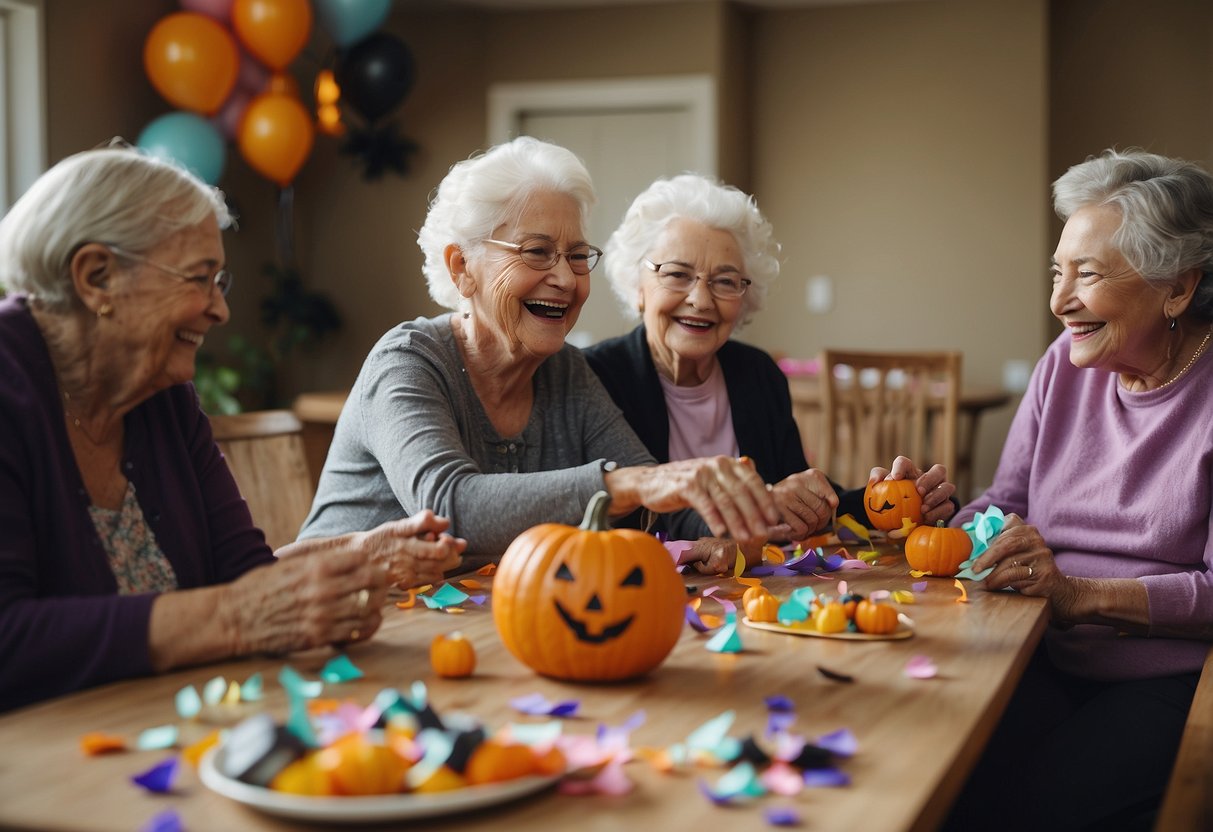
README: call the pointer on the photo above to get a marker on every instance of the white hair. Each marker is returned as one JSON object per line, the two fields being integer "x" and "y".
{"x": 701, "y": 199}
{"x": 481, "y": 193}
{"x": 118, "y": 196}
{"x": 1166, "y": 208}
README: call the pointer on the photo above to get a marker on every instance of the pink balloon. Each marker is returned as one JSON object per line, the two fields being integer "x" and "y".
{"x": 253, "y": 76}
{"x": 221, "y": 10}
{"x": 227, "y": 120}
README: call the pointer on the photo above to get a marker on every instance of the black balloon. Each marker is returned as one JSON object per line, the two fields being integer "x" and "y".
{"x": 376, "y": 74}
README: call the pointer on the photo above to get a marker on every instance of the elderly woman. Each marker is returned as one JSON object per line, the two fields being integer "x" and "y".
{"x": 486, "y": 415}
{"x": 1107, "y": 477}
{"x": 126, "y": 548}
{"x": 694, "y": 259}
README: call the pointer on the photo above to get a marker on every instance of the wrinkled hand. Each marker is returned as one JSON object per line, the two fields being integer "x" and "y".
{"x": 933, "y": 487}
{"x": 718, "y": 555}
{"x": 309, "y": 600}
{"x": 727, "y": 493}
{"x": 415, "y": 550}
{"x": 1022, "y": 561}
{"x": 806, "y": 501}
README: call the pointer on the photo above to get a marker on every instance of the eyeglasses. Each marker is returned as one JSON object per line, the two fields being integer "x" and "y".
{"x": 543, "y": 254}
{"x": 204, "y": 282}
{"x": 678, "y": 278}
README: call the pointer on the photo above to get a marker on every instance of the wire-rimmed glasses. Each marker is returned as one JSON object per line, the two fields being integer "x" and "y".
{"x": 204, "y": 282}
{"x": 678, "y": 278}
{"x": 543, "y": 254}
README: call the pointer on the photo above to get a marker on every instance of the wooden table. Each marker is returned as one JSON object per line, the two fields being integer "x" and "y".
{"x": 974, "y": 401}
{"x": 917, "y": 739}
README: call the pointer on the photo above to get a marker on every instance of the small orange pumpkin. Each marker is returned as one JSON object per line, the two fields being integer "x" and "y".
{"x": 589, "y": 603}
{"x": 753, "y": 592}
{"x": 831, "y": 618}
{"x": 938, "y": 549}
{"x": 453, "y": 656}
{"x": 356, "y": 766}
{"x": 763, "y": 607}
{"x": 887, "y": 502}
{"x": 874, "y": 618}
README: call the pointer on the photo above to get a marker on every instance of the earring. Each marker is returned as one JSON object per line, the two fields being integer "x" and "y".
{"x": 104, "y": 310}
{"x": 1173, "y": 323}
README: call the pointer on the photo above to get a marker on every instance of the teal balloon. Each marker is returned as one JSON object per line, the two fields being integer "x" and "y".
{"x": 189, "y": 140}
{"x": 349, "y": 21}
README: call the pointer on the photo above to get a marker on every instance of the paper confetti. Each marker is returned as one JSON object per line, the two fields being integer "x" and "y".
{"x": 536, "y": 704}
{"x": 297, "y": 686}
{"x": 192, "y": 754}
{"x": 157, "y": 739}
{"x": 340, "y": 669}
{"x": 964, "y": 596}
{"x": 841, "y": 742}
{"x": 611, "y": 780}
{"x": 159, "y": 778}
{"x": 166, "y": 821}
{"x": 487, "y": 569}
{"x": 740, "y": 783}
{"x": 857, "y": 530}
{"x": 536, "y": 735}
{"x": 232, "y": 697}
{"x": 920, "y": 667}
{"x": 253, "y": 688}
{"x": 921, "y": 586}
{"x": 782, "y": 779}
{"x": 727, "y": 639}
{"x": 189, "y": 703}
{"x": 95, "y": 743}
{"x": 212, "y": 692}
{"x": 818, "y": 778}
{"x": 782, "y": 816}
{"x": 446, "y": 596}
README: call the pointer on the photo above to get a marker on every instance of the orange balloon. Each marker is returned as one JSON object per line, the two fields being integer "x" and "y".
{"x": 192, "y": 61}
{"x": 283, "y": 83}
{"x": 275, "y": 136}
{"x": 272, "y": 30}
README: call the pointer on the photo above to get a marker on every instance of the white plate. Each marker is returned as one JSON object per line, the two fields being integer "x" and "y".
{"x": 365, "y": 809}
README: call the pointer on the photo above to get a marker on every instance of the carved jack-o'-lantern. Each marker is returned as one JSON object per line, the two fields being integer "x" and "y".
{"x": 588, "y": 603}
{"x": 887, "y": 502}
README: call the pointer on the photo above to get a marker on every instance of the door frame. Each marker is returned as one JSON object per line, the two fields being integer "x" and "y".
{"x": 507, "y": 102}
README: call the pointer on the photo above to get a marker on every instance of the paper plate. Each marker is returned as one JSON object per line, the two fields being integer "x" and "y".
{"x": 365, "y": 809}
{"x": 803, "y": 628}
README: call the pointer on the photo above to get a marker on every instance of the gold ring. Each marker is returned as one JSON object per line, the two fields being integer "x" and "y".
{"x": 355, "y": 633}
{"x": 1030, "y": 570}
{"x": 364, "y": 596}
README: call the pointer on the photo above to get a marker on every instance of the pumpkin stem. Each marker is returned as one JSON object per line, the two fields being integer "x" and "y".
{"x": 595, "y": 519}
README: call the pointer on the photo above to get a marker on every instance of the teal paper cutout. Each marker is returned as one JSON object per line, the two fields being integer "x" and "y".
{"x": 340, "y": 669}
{"x": 189, "y": 703}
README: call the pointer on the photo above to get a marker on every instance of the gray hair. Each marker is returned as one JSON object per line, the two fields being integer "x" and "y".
{"x": 118, "y": 196}
{"x": 699, "y": 198}
{"x": 483, "y": 192}
{"x": 1166, "y": 207}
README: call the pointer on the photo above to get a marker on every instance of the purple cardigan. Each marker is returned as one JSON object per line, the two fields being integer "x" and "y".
{"x": 62, "y": 624}
{"x": 1120, "y": 485}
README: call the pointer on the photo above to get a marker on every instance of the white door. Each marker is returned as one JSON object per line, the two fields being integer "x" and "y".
{"x": 626, "y": 142}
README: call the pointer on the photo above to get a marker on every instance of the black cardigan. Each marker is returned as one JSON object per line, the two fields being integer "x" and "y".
{"x": 758, "y": 398}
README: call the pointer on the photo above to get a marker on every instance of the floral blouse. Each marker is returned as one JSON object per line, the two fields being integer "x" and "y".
{"x": 138, "y": 564}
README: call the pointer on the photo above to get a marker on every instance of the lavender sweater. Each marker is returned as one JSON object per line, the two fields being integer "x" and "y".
{"x": 1120, "y": 485}
{"x": 62, "y": 624}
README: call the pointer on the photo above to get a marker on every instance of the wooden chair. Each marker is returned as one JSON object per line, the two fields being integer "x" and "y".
{"x": 1188, "y": 802}
{"x": 876, "y": 406}
{"x": 265, "y": 453}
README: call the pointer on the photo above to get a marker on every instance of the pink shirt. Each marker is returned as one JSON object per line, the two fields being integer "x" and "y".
{"x": 701, "y": 421}
{"x": 1120, "y": 485}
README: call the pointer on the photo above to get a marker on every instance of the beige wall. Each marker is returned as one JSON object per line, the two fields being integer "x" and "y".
{"x": 902, "y": 149}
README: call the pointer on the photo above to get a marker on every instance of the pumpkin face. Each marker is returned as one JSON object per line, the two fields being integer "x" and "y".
{"x": 588, "y": 603}
{"x": 938, "y": 549}
{"x": 887, "y": 502}
{"x": 874, "y": 618}
{"x": 453, "y": 656}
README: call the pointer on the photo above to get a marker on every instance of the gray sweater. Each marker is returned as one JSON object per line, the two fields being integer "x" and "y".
{"x": 413, "y": 435}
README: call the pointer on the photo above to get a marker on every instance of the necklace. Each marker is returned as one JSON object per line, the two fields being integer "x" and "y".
{"x": 1200, "y": 349}
{"x": 67, "y": 408}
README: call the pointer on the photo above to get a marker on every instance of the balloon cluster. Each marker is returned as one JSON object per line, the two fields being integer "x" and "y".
{"x": 223, "y": 64}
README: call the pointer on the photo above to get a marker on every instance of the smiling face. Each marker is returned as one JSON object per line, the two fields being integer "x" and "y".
{"x": 1117, "y": 320}
{"x": 530, "y": 310}
{"x": 686, "y": 329}
{"x": 160, "y": 319}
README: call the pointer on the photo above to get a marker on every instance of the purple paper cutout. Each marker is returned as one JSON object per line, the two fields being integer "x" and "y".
{"x": 536, "y": 704}
{"x": 825, "y": 778}
{"x": 166, "y": 821}
{"x": 921, "y": 586}
{"x": 159, "y": 778}
{"x": 782, "y": 816}
{"x": 841, "y": 742}
{"x": 779, "y": 703}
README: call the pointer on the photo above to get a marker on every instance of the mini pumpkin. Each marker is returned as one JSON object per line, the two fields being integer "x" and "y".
{"x": 764, "y": 607}
{"x": 753, "y": 592}
{"x": 453, "y": 656}
{"x": 874, "y": 618}
{"x": 888, "y": 502}
{"x": 356, "y": 766}
{"x": 588, "y": 603}
{"x": 831, "y": 618}
{"x": 938, "y": 549}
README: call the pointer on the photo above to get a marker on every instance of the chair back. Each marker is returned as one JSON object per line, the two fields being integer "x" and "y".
{"x": 876, "y": 406}
{"x": 265, "y": 453}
